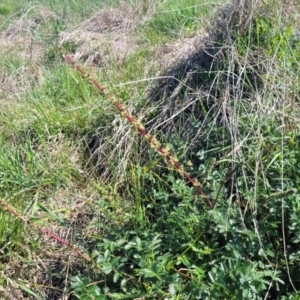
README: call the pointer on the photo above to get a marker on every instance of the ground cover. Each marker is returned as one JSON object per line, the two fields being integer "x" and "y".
{"x": 216, "y": 83}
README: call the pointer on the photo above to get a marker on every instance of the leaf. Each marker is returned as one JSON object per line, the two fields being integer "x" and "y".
{"x": 106, "y": 269}
{"x": 172, "y": 289}
{"x": 107, "y": 254}
{"x": 123, "y": 282}
{"x": 211, "y": 277}
{"x": 184, "y": 259}
{"x": 115, "y": 261}
{"x": 120, "y": 242}
{"x": 129, "y": 246}
{"x": 245, "y": 293}
{"x": 149, "y": 273}
{"x": 121, "y": 296}
{"x": 28, "y": 291}
{"x": 273, "y": 159}
{"x": 270, "y": 253}
{"x": 52, "y": 214}
{"x": 138, "y": 243}
{"x": 199, "y": 272}
{"x": 116, "y": 277}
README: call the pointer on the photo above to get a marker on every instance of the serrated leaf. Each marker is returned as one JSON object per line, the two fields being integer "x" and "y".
{"x": 172, "y": 289}
{"x": 106, "y": 269}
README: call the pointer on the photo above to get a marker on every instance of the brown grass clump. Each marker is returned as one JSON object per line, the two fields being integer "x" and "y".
{"x": 108, "y": 34}
{"x": 173, "y": 52}
{"x": 23, "y": 53}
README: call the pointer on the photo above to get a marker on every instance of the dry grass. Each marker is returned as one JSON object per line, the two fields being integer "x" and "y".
{"x": 18, "y": 43}
{"x": 32, "y": 19}
{"x": 45, "y": 270}
{"x": 173, "y": 52}
{"x": 21, "y": 68}
{"x": 109, "y": 34}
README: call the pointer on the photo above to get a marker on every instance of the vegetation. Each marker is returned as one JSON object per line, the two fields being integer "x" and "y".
{"x": 89, "y": 209}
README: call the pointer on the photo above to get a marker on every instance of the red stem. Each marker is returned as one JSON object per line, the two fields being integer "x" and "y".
{"x": 45, "y": 231}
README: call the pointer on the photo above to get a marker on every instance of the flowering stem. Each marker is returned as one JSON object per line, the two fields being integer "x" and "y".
{"x": 12, "y": 211}
{"x": 154, "y": 143}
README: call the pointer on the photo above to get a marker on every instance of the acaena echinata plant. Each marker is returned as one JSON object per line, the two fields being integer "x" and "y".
{"x": 31, "y": 224}
{"x": 170, "y": 159}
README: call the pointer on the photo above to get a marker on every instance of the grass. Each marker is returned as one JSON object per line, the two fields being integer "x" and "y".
{"x": 182, "y": 20}
{"x": 228, "y": 109}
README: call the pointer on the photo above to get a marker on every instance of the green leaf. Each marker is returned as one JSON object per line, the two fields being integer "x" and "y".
{"x": 115, "y": 261}
{"x": 120, "y": 242}
{"x": 149, "y": 273}
{"x": 129, "y": 246}
{"x": 172, "y": 289}
{"x": 106, "y": 269}
{"x": 28, "y": 291}
{"x": 51, "y": 213}
{"x": 270, "y": 253}
{"x": 245, "y": 293}
{"x": 138, "y": 243}
{"x": 273, "y": 159}
{"x": 116, "y": 277}
{"x": 121, "y": 296}
{"x": 107, "y": 254}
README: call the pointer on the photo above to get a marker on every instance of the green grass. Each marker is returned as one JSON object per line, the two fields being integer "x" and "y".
{"x": 176, "y": 21}
{"x": 70, "y": 163}
{"x": 5, "y": 10}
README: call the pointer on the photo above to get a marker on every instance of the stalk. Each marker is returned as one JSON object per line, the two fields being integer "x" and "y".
{"x": 154, "y": 143}
{"x": 31, "y": 224}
